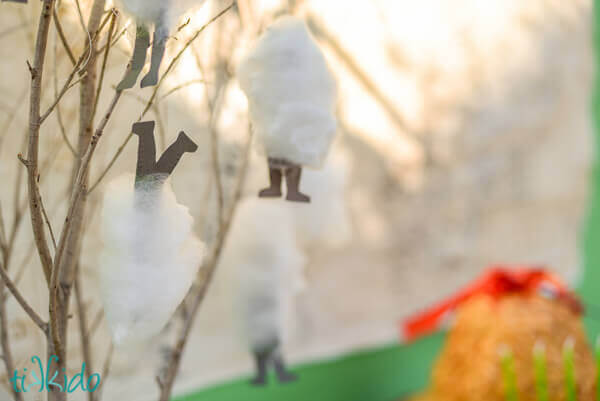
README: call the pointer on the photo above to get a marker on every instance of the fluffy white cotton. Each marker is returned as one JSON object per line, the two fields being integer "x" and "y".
{"x": 262, "y": 255}
{"x": 291, "y": 94}
{"x": 326, "y": 220}
{"x": 149, "y": 258}
{"x": 149, "y": 11}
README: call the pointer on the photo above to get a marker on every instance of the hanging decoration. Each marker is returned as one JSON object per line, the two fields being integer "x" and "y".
{"x": 266, "y": 266}
{"x": 162, "y": 15}
{"x": 150, "y": 255}
{"x": 291, "y": 98}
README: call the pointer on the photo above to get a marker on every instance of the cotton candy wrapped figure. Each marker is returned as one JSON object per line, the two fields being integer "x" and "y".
{"x": 162, "y": 14}
{"x": 150, "y": 254}
{"x": 291, "y": 98}
{"x": 264, "y": 265}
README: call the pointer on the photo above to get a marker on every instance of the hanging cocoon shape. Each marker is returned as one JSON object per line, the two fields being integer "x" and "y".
{"x": 291, "y": 98}
{"x": 266, "y": 267}
{"x": 149, "y": 260}
{"x": 163, "y": 15}
{"x": 150, "y": 255}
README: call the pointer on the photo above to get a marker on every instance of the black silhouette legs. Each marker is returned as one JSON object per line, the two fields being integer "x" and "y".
{"x": 161, "y": 34}
{"x": 293, "y": 173}
{"x": 147, "y": 166}
{"x": 138, "y": 59}
{"x": 271, "y": 356}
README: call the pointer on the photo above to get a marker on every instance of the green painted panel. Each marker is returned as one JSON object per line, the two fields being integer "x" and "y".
{"x": 383, "y": 374}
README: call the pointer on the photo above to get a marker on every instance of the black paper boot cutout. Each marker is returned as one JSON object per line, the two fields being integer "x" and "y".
{"x": 283, "y": 375}
{"x": 147, "y": 166}
{"x": 169, "y": 159}
{"x": 275, "y": 177}
{"x": 146, "y": 148}
{"x": 138, "y": 59}
{"x": 261, "y": 359}
{"x": 161, "y": 34}
{"x": 292, "y": 179}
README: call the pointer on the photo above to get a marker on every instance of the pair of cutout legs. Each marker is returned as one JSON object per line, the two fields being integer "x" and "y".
{"x": 293, "y": 173}
{"x": 147, "y": 164}
{"x": 272, "y": 356}
{"x": 138, "y": 59}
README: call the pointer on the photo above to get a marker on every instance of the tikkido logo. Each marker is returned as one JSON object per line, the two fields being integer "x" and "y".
{"x": 21, "y": 384}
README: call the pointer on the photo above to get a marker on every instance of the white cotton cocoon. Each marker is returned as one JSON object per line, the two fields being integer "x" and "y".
{"x": 264, "y": 260}
{"x": 291, "y": 94}
{"x": 150, "y": 11}
{"x": 149, "y": 259}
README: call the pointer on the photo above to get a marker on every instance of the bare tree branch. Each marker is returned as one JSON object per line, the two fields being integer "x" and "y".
{"x": 34, "y": 132}
{"x": 79, "y": 189}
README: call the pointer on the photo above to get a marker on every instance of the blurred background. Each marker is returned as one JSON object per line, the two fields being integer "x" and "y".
{"x": 465, "y": 139}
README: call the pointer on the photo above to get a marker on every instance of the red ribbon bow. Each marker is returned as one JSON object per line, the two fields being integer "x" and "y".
{"x": 497, "y": 282}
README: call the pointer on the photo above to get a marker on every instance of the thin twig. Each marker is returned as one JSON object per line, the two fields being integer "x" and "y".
{"x": 23, "y": 265}
{"x": 47, "y": 220}
{"x": 111, "y": 163}
{"x": 182, "y": 51}
{"x": 21, "y": 300}
{"x": 68, "y": 85}
{"x": 182, "y": 86}
{"x": 83, "y": 330}
{"x": 61, "y": 35}
{"x": 214, "y": 109}
{"x": 104, "y": 61}
{"x": 59, "y": 119}
{"x": 115, "y": 41}
{"x": 79, "y": 67}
